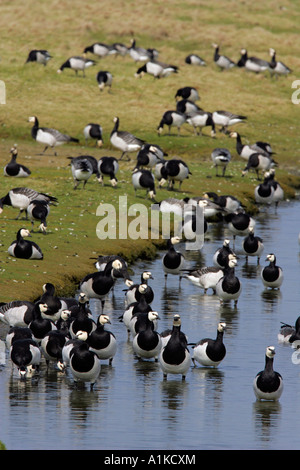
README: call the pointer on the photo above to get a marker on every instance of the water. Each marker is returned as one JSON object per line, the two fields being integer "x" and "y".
{"x": 132, "y": 407}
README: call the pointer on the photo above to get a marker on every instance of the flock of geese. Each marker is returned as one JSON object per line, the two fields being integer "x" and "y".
{"x": 62, "y": 330}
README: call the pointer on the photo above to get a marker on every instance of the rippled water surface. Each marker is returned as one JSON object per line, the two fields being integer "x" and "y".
{"x": 132, "y": 407}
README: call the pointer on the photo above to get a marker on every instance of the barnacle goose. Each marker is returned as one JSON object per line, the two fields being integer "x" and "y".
{"x": 194, "y": 59}
{"x": 175, "y": 357}
{"x": 268, "y": 384}
{"x": 171, "y": 118}
{"x": 210, "y": 352}
{"x": 276, "y": 67}
{"x": 123, "y": 140}
{"x": 229, "y": 287}
{"x": 147, "y": 342}
{"x": 144, "y": 179}
{"x": 41, "y": 56}
{"x": 200, "y": 119}
{"x": 272, "y": 275}
{"x": 139, "y": 54}
{"x": 77, "y": 64}
{"x": 24, "y": 249}
{"x": 253, "y": 64}
{"x": 187, "y": 107}
{"x": 258, "y": 162}
{"x": 228, "y": 202}
{"x": 176, "y": 170}
{"x": 221, "y": 157}
{"x": 104, "y": 79}
{"x": 82, "y": 170}
{"x": 187, "y": 93}
{"x": 47, "y": 136}
{"x": 38, "y": 210}
{"x": 85, "y": 366}
{"x": 264, "y": 192}
{"x": 278, "y": 194}
{"x": 93, "y": 131}
{"x": 149, "y": 155}
{"x": 252, "y": 245}
{"x": 245, "y": 150}
{"x": 289, "y": 333}
{"x": 99, "y": 49}
{"x": 173, "y": 261}
{"x": 226, "y": 119}
{"x": 156, "y": 69}
{"x": 101, "y": 341}
{"x": 15, "y": 169}
{"x": 108, "y": 166}
{"x": 222, "y": 61}
{"x": 25, "y": 354}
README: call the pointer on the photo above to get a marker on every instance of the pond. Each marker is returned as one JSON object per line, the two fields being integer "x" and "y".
{"x": 132, "y": 407}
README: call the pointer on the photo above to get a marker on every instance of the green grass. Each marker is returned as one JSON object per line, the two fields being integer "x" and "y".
{"x": 68, "y": 103}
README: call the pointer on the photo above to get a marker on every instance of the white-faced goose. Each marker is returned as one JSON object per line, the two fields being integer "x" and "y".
{"x": 15, "y": 169}
{"x": 49, "y": 137}
{"x": 77, "y": 64}
{"x": 268, "y": 384}
{"x": 222, "y": 61}
{"x": 210, "y": 352}
{"x": 124, "y": 141}
{"x": 40, "y": 56}
{"x": 93, "y": 131}
{"x": 24, "y": 249}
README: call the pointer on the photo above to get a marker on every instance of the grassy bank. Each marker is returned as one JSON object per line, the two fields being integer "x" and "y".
{"x": 68, "y": 103}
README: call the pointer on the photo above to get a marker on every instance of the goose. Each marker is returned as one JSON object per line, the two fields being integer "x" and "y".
{"x": 140, "y": 306}
{"x": 258, "y": 162}
{"x": 268, "y": 384}
{"x": 97, "y": 285}
{"x": 211, "y": 209}
{"x": 133, "y": 294}
{"x": 17, "y": 332}
{"x": 108, "y": 166}
{"x": 17, "y": 313}
{"x": 49, "y": 137}
{"x": 222, "y": 61}
{"x": 194, "y": 59}
{"x": 77, "y": 64}
{"x": 165, "y": 335}
{"x": 70, "y": 344}
{"x": 278, "y": 194}
{"x": 149, "y": 155}
{"x": 147, "y": 342}
{"x": 226, "y": 119}
{"x": 139, "y": 54}
{"x": 108, "y": 262}
{"x": 156, "y": 69}
{"x": 141, "y": 319}
{"x": 272, "y": 275}
{"x": 51, "y": 347}
{"x": 252, "y": 245}
{"x": 15, "y": 169}
{"x": 206, "y": 277}
{"x": 93, "y": 131}
{"x": 82, "y": 170}
{"x": 264, "y": 192}
{"x": 124, "y": 141}
{"x": 160, "y": 173}
{"x": 24, "y": 249}
{"x": 53, "y": 302}
{"x": 210, "y": 352}
{"x": 171, "y": 118}
{"x": 171, "y": 205}
{"x": 173, "y": 261}
{"x": 200, "y": 119}
{"x": 93, "y": 161}
{"x": 187, "y": 107}
{"x": 228, "y": 202}
{"x": 175, "y": 357}
{"x": 99, "y": 49}
{"x": 104, "y": 79}
{"x": 101, "y": 341}
{"x": 40, "y": 326}
{"x": 20, "y": 198}
{"x": 221, "y": 157}
{"x": 253, "y": 64}
{"x": 187, "y": 93}
{"x": 144, "y": 179}
{"x": 176, "y": 170}
{"x": 119, "y": 48}
{"x": 239, "y": 223}
{"x": 245, "y": 150}
{"x": 194, "y": 224}
{"x": 38, "y": 210}
{"x": 84, "y": 364}
{"x": 220, "y": 257}
{"x": 276, "y": 67}
{"x": 289, "y": 333}
{"x": 25, "y": 354}
{"x": 229, "y": 287}
{"x": 82, "y": 322}
{"x": 40, "y": 56}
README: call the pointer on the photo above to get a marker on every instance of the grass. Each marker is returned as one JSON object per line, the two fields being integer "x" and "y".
{"x": 68, "y": 103}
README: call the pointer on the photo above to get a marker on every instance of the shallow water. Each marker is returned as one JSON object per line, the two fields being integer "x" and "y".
{"x": 132, "y": 407}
